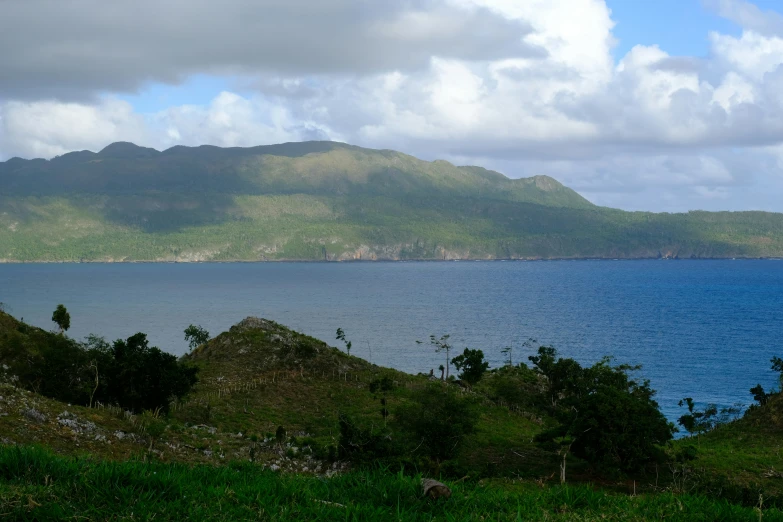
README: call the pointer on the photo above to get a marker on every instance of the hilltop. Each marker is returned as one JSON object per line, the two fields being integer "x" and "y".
{"x": 330, "y": 201}
{"x": 270, "y": 400}
{"x": 253, "y": 379}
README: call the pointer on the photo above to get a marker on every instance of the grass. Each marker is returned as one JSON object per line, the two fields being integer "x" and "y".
{"x": 260, "y": 375}
{"x": 254, "y": 378}
{"x": 37, "y": 485}
{"x": 741, "y": 459}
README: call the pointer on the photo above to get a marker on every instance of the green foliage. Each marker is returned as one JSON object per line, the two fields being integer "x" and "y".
{"x": 341, "y": 337}
{"x": 609, "y": 418}
{"x": 383, "y": 384}
{"x": 472, "y": 365}
{"x": 697, "y": 421}
{"x": 565, "y": 377}
{"x": 364, "y": 444}
{"x": 128, "y": 373}
{"x": 196, "y": 336}
{"x": 759, "y": 395}
{"x": 140, "y": 377}
{"x": 61, "y": 318}
{"x": 280, "y": 435}
{"x": 437, "y": 420}
{"x": 38, "y": 485}
{"x": 777, "y": 364}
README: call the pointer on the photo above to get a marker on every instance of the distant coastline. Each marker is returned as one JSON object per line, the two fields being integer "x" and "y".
{"x": 376, "y": 261}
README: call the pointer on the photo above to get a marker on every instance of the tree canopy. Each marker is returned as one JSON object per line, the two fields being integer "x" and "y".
{"x": 609, "y": 417}
{"x": 61, "y": 318}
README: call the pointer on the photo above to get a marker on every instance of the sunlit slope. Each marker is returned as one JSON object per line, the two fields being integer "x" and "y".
{"x": 324, "y": 200}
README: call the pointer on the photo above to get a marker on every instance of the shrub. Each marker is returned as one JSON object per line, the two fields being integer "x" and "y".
{"x": 472, "y": 365}
{"x": 437, "y": 420}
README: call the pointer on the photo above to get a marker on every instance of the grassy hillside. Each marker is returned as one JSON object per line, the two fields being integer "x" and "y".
{"x": 330, "y": 201}
{"x": 253, "y": 379}
{"x": 36, "y": 485}
{"x": 219, "y": 453}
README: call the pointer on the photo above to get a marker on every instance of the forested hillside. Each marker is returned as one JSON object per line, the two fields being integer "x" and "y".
{"x": 330, "y": 201}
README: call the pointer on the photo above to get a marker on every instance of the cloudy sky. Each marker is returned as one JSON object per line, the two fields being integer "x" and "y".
{"x": 665, "y": 105}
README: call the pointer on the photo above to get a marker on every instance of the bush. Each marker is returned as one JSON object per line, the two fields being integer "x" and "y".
{"x": 437, "y": 421}
{"x": 472, "y": 365}
{"x": 362, "y": 444}
{"x": 128, "y": 372}
{"x": 604, "y": 415}
{"x": 140, "y": 377}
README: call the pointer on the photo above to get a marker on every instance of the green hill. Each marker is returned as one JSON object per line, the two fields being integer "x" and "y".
{"x": 256, "y": 438}
{"x": 330, "y": 201}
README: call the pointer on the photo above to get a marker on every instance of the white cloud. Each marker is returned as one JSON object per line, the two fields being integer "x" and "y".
{"x": 650, "y": 131}
{"x": 49, "y": 128}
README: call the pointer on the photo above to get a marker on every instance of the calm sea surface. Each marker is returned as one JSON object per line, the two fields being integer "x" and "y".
{"x": 705, "y": 329}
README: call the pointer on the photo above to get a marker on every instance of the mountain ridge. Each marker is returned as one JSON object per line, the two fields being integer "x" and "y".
{"x": 331, "y": 201}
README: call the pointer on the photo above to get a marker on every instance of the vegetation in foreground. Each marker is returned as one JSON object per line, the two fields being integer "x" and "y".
{"x": 268, "y": 399}
{"x": 331, "y": 201}
{"x": 37, "y": 485}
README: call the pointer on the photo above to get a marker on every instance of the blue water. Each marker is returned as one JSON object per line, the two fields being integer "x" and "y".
{"x": 704, "y": 329}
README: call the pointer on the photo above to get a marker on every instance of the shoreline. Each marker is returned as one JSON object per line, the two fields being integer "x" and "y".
{"x": 375, "y": 261}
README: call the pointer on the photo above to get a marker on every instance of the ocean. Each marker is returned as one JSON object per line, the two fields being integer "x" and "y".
{"x": 701, "y": 329}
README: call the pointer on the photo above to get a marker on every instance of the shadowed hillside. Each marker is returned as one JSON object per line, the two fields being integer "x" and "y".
{"x": 330, "y": 201}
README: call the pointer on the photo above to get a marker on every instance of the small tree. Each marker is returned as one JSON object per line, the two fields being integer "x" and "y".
{"x": 280, "y": 436}
{"x": 472, "y": 365}
{"x": 759, "y": 395}
{"x": 777, "y": 366}
{"x": 437, "y": 421}
{"x": 697, "y": 421}
{"x": 341, "y": 337}
{"x": 508, "y": 351}
{"x": 61, "y": 318}
{"x": 382, "y": 385}
{"x": 441, "y": 345}
{"x": 196, "y": 336}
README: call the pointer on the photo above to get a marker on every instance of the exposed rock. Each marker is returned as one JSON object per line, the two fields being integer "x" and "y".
{"x": 34, "y": 415}
{"x": 77, "y": 425}
{"x": 253, "y": 323}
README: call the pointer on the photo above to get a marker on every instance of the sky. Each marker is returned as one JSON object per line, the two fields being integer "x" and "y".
{"x": 665, "y": 105}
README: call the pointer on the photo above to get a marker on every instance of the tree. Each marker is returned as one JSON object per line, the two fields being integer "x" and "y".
{"x": 697, "y": 421}
{"x": 196, "y": 336}
{"x": 508, "y": 351}
{"x": 604, "y": 415}
{"x": 142, "y": 377}
{"x": 341, "y": 337}
{"x": 472, "y": 365}
{"x": 777, "y": 364}
{"x": 759, "y": 395}
{"x": 61, "y": 318}
{"x": 437, "y": 420}
{"x": 564, "y": 376}
{"x": 441, "y": 345}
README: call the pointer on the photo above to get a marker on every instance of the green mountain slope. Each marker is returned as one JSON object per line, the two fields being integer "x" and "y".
{"x": 330, "y": 201}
